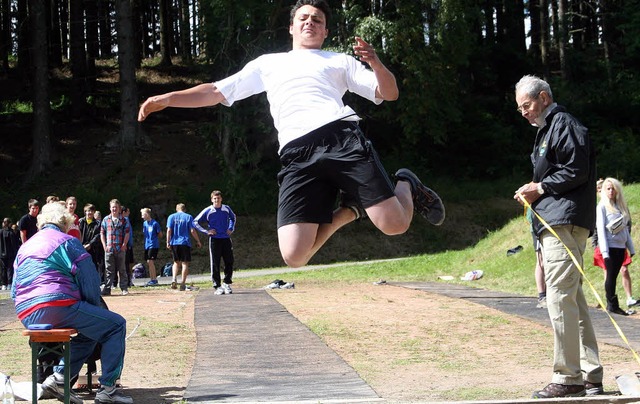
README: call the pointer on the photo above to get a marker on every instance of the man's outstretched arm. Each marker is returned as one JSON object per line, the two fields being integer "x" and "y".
{"x": 387, "y": 86}
{"x": 203, "y": 95}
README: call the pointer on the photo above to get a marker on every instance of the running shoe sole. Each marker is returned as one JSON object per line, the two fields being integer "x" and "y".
{"x": 425, "y": 201}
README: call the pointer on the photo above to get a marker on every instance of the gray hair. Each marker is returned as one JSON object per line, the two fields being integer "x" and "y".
{"x": 56, "y": 213}
{"x": 532, "y": 86}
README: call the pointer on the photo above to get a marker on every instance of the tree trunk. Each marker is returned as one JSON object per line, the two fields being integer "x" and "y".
{"x": 77, "y": 59}
{"x": 41, "y": 159}
{"x": 128, "y": 90}
{"x": 63, "y": 15}
{"x": 534, "y": 49}
{"x": 544, "y": 39}
{"x": 91, "y": 9}
{"x": 5, "y": 34}
{"x": 137, "y": 31}
{"x": 24, "y": 40}
{"x": 195, "y": 11}
{"x": 55, "y": 34}
{"x": 562, "y": 39}
{"x": 104, "y": 28}
{"x": 185, "y": 30}
{"x": 165, "y": 32}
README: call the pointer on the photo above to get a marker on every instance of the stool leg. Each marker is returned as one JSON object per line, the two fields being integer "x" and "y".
{"x": 67, "y": 373}
{"x": 34, "y": 371}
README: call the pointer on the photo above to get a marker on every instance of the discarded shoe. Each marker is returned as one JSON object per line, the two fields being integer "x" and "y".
{"x": 288, "y": 285}
{"x": 276, "y": 284}
{"x": 514, "y": 250}
{"x": 425, "y": 200}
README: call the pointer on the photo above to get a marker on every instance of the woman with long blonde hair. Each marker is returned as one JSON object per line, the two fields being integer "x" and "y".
{"x": 614, "y": 238}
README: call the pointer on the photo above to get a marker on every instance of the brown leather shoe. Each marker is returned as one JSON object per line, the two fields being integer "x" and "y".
{"x": 554, "y": 390}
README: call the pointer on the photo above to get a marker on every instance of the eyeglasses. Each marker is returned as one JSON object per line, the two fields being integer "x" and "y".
{"x": 527, "y": 105}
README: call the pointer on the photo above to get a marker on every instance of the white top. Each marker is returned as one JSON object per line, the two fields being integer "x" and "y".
{"x": 304, "y": 88}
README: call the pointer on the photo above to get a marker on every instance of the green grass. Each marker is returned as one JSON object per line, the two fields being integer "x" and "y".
{"x": 514, "y": 274}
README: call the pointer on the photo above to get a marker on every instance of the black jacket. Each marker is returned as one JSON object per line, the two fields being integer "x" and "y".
{"x": 564, "y": 160}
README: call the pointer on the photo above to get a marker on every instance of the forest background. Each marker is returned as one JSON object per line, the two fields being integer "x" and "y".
{"x": 73, "y": 73}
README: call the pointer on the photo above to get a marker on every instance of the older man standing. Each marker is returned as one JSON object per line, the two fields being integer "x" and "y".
{"x": 563, "y": 193}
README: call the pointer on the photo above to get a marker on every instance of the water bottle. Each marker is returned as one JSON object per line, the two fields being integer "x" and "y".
{"x": 7, "y": 392}
{"x": 629, "y": 384}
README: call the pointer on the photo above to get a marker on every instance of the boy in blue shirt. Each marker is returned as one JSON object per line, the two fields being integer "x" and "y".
{"x": 152, "y": 232}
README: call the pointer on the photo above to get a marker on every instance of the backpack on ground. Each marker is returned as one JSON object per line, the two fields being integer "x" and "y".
{"x": 140, "y": 271}
{"x": 167, "y": 269}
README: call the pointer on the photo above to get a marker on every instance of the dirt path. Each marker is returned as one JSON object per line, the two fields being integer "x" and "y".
{"x": 408, "y": 345}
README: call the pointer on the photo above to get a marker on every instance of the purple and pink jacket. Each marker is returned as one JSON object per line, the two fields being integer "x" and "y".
{"x": 53, "y": 269}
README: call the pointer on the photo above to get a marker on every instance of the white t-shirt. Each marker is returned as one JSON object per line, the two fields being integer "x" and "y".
{"x": 304, "y": 88}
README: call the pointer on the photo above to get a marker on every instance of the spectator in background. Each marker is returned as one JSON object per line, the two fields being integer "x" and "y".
{"x": 74, "y": 230}
{"x": 152, "y": 232}
{"x": 52, "y": 198}
{"x": 9, "y": 244}
{"x": 90, "y": 237}
{"x": 56, "y": 283}
{"x": 624, "y": 269}
{"x": 98, "y": 216}
{"x": 28, "y": 224}
{"x": 613, "y": 240}
{"x": 179, "y": 231}
{"x": 563, "y": 194}
{"x": 220, "y": 223}
{"x": 129, "y": 259}
{"x": 114, "y": 234}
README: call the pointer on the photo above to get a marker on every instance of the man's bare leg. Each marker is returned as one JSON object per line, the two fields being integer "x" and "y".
{"x": 299, "y": 242}
{"x": 185, "y": 272}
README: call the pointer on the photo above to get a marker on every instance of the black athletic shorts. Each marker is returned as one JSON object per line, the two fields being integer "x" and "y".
{"x": 318, "y": 165}
{"x": 181, "y": 253}
{"x": 151, "y": 254}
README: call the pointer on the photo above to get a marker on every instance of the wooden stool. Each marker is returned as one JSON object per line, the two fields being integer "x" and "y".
{"x": 61, "y": 337}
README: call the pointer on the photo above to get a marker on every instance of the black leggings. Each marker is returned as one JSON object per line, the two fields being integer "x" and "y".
{"x": 613, "y": 264}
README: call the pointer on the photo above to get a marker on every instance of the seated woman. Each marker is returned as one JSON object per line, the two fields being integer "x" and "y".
{"x": 56, "y": 282}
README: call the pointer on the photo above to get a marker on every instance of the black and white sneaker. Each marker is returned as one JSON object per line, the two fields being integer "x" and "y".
{"x": 425, "y": 201}
{"x": 347, "y": 201}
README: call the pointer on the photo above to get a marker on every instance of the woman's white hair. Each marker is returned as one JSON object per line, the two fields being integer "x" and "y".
{"x": 55, "y": 213}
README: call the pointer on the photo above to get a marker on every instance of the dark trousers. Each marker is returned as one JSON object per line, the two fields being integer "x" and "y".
{"x": 613, "y": 264}
{"x": 221, "y": 249}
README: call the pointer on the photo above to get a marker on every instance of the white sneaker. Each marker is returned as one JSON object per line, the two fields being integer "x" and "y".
{"x": 288, "y": 285}
{"x": 125, "y": 292}
{"x": 632, "y": 302}
{"x": 109, "y": 395}
{"x": 54, "y": 385}
{"x": 219, "y": 291}
{"x": 227, "y": 289}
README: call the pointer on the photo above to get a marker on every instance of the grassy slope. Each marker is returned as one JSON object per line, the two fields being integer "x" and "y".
{"x": 501, "y": 272}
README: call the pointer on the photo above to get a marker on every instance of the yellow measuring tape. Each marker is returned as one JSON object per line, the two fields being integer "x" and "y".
{"x": 575, "y": 261}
